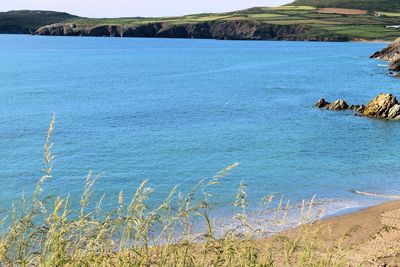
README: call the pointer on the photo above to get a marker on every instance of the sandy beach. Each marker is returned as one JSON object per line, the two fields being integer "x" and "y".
{"x": 368, "y": 237}
{"x": 371, "y": 234}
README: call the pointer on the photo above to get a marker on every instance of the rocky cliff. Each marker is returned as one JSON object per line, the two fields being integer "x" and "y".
{"x": 232, "y": 30}
{"x": 391, "y": 54}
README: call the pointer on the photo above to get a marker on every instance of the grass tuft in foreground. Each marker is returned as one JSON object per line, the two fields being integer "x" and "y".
{"x": 45, "y": 231}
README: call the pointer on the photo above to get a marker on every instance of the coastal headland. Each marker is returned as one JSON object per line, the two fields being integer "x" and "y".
{"x": 301, "y": 21}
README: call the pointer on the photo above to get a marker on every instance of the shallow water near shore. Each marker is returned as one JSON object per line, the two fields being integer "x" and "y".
{"x": 175, "y": 111}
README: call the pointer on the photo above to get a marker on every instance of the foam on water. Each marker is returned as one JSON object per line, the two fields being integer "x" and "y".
{"x": 375, "y": 195}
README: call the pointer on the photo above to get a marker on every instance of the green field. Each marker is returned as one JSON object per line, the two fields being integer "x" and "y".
{"x": 388, "y": 14}
{"x": 368, "y": 27}
{"x": 370, "y": 5}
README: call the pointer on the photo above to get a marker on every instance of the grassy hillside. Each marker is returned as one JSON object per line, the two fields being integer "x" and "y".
{"x": 371, "y": 5}
{"x": 27, "y": 21}
{"x": 370, "y": 26}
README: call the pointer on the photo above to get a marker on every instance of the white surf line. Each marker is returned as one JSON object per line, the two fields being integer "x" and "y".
{"x": 374, "y": 195}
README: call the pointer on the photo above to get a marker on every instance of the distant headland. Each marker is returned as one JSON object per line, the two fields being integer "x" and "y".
{"x": 304, "y": 20}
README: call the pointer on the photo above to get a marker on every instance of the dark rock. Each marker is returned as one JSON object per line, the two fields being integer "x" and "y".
{"x": 394, "y": 112}
{"x": 338, "y": 105}
{"x": 239, "y": 30}
{"x": 173, "y": 31}
{"x": 321, "y": 103}
{"x": 359, "y": 108}
{"x": 104, "y": 31}
{"x": 59, "y": 29}
{"x": 200, "y": 31}
{"x": 376, "y": 54}
{"x": 145, "y": 30}
{"x": 220, "y": 29}
{"x": 395, "y": 65}
{"x": 383, "y": 106}
{"x": 391, "y": 54}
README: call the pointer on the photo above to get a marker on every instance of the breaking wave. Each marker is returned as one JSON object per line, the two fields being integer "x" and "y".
{"x": 374, "y": 195}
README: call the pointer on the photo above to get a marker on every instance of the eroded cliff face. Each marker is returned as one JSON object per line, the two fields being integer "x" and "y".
{"x": 74, "y": 30}
{"x": 391, "y": 54}
{"x": 231, "y": 30}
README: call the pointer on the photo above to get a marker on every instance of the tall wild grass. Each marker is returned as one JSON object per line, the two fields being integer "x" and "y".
{"x": 46, "y": 231}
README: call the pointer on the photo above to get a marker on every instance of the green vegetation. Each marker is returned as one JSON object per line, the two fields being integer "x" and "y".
{"x": 365, "y": 27}
{"x": 371, "y": 5}
{"x": 367, "y": 32}
{"x": 27, "y": 21}
{"x": 292, "y": 8}
{"x": 388, "y": 14}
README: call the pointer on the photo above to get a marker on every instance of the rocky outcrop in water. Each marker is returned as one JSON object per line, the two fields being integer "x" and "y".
{"x": 392, "y": 55}
{"x": 232, "y": 30}
{"x": 338, "y": 105}
{"x": 394, "y": 112}
{"x": 383, "y": 106}
{"x": 380, "y": 106}
{"x": 321, "y": 103}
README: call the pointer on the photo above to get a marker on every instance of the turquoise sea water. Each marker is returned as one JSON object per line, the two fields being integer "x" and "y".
{"x": 176, "y": 111}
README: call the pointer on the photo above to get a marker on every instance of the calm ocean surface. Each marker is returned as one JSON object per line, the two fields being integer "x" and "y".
{"x": 176, "y": 111}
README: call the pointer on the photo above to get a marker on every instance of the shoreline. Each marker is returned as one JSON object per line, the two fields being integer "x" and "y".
{"x": 378, "y": 41}
{"x": 367, "y": 235}
{"x": 356, "y": 211}
{"x": 361, "y": 210}
{"x": 344, "y": 211}
{"x": 372, "y": 41}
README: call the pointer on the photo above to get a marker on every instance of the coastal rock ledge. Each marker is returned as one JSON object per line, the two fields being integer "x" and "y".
{"x": 383, "y": 106}
{"x": 392, "y": 55}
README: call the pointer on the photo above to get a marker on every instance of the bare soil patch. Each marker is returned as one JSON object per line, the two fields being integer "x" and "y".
{"x": 342, "y": 11}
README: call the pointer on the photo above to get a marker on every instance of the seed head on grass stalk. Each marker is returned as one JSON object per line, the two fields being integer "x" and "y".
{"x": 48, "y": 158}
